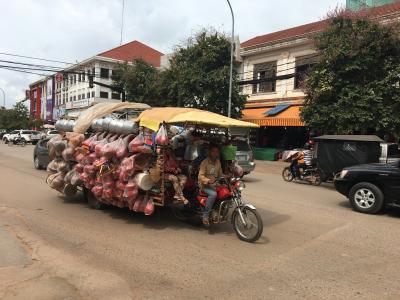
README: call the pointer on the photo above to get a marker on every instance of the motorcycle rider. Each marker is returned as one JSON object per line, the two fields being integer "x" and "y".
{"x": 209, "y": 172}
{"x": 302, "y": 159}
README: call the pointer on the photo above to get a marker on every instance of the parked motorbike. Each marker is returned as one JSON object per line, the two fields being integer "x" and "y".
{"x": 17, "y": 141}
{"x": 311, "y": 175}
{"x": 245, "y": 219}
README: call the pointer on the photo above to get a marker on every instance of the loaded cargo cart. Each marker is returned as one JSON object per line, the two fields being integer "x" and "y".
{"x": 151, "y": 159}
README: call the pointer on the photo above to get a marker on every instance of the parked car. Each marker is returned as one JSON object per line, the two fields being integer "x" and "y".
{"x": 41, "y": 155}
{"x": 370, "y": 187}
{"x": 50, "y": 133}
{"x": 244, "y": 155}
{"x": 30, "y": 136}
{"x": 389, "y": 153}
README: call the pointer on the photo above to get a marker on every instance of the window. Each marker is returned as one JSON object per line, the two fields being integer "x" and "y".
{"x": 79, "y": 77}
{"x": 266, "y": 73}
{"x": 74, "y": 79}
{"x": 83, "y": 96}
{"x": 83, "y": 76}
{"x": 104, "y": 73}
{"x": 115, "y": 96}
{"x": 74, "y": 98}
{"x": 303, "y": 67}
{"x": 71, "y": 80}
{"x": 70, "y": 99}
{"x": 79, "y": 97}
{"x": 88, "y": 95}
{"x": 93, "y": 94}
{"x": 104, "y": 95}
{"x": 93, "y": 71}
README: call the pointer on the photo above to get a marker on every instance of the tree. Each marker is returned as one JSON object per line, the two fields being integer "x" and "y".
{"x": 140, "y": 82}
{"x": 354, "y": 88}
{"x": 198, "y": 75}
{"x": 15, "y": 118}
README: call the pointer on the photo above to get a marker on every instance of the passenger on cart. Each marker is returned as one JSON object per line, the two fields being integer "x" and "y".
{"x": 173, "y": 174}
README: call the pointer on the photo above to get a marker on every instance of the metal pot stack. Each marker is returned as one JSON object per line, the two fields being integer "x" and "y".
{"x": 65, "y": 125}
{"x": 115, "y": 126}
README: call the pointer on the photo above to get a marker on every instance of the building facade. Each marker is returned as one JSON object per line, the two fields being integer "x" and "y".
{"x": 362, "y": 4}
{"x": 273, "y": 71}
{"x": 67, "y": 93}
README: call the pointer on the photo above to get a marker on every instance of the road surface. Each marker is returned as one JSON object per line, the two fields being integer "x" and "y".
{"x": 313, "y": 246}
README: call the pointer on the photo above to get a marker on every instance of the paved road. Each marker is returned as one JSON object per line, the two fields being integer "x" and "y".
{"x": 313, "y": 246}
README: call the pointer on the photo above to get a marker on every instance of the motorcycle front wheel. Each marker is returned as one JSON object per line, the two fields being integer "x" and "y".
{"x": 252, "y": 228}
{"x": 287, "y": 174}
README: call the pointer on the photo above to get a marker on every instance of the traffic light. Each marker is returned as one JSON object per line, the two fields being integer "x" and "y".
{"x": 91, "y": 81}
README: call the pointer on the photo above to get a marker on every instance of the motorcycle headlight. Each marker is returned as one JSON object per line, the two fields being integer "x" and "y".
{"x": 240, "y": 185}
{"x": 343, "y": 173}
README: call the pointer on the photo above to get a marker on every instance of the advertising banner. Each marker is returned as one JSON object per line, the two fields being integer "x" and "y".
{"x": 49, "y": 99}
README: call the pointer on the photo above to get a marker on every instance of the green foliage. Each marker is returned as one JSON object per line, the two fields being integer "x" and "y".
{"x": 15, "y": 118}
{"x": 354, "y": 87}
{"x": 198, "y": 77}
{"x": 140, "y": 81}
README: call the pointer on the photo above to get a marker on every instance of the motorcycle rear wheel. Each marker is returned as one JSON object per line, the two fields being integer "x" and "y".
{"x": 252, "y": 230}
{"x": 287, "y": 174}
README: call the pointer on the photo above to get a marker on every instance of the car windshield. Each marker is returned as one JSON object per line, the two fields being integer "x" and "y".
{"x": 242, "y": 145}
{"x": 393, "y": 151}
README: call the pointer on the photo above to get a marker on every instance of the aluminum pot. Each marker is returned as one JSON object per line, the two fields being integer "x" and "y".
{"x": 70, "y": 125}
{"x": 113, "y": 126}
{"x": 106, "y": 124}
{"x": 129, "y": 127}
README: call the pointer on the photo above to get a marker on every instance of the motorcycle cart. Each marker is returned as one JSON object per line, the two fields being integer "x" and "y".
{"x": 335, "y": 152}
{"x": 121, "y": 161}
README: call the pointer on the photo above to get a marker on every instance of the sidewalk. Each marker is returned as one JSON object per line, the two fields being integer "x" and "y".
{"x": 270, "y": 167}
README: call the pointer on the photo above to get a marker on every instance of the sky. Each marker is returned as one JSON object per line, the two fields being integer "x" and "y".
{"x": 72, "y": 30}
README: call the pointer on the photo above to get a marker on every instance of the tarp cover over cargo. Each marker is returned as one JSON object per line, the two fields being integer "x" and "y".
{"x": 335, "y": 152}
{"x": 152, "y": 118}
{"x": 103, "y": 109}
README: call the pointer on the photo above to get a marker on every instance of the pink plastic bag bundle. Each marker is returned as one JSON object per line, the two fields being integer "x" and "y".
{"x": 121, "y": 148}
{"x": 89, "y": 142}
{"x": 109, "y": 149}
{"x": 127, "y": 168}
{"x": 97, "y": 190}
{"x": 149, "y": 208}
{"x": 162, "y": 136}
{"x": 99, "y": 146}
{"x": 131, "y": 191}
{"x": 107, "y": 194}
{"x": 136, "y": 145}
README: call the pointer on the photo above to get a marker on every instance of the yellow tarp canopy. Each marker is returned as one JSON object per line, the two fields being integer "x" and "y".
{"x": 152, "y": 118}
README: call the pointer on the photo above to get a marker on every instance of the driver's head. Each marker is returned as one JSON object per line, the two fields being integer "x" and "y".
{"x": 213, "y": 152}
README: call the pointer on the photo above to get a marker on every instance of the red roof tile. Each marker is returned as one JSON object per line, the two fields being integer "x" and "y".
{"x": 302, "y": 30}
{"x": 133, "y": 50}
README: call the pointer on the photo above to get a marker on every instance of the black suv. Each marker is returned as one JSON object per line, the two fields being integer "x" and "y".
{"x": 370, "y": 187}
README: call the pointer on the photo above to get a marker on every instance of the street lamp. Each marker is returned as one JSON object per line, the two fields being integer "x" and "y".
{"x": 4, "y": 98}
{"x": 231, "y": 67}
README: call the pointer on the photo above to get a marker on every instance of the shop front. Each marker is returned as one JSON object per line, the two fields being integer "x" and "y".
{"x": 280, "y": 128}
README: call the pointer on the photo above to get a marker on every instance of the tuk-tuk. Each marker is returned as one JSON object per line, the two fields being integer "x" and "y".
{"x": 334, "y": 152}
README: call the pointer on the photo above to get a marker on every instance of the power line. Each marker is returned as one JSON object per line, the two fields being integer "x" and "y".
{"x": 36, "y": 58}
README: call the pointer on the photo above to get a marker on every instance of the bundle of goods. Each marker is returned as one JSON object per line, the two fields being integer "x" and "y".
{"x": 112, "y": 163}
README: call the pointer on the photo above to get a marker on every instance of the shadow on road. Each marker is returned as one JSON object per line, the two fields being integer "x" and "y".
{"x": 163, "y": 218}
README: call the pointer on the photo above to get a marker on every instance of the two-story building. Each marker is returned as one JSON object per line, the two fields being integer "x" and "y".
{"x": 273, "y": 71}
{"x": 71, "y": 92}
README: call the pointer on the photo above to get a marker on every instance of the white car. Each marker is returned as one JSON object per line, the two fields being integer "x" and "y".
{"x": 50, "y": 133}
{"x": 30, "y": 136}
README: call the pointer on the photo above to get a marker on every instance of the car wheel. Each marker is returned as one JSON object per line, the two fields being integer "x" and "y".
{"x": 36, "y": 163}
{"x": 5, "y": 141}
{"x": 34, "y": 143}
{"x": 366, "y": 198}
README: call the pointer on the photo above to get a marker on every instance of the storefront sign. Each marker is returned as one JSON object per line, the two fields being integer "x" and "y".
{"x": 58, "y": 112}
{"x": 77, "y": 104}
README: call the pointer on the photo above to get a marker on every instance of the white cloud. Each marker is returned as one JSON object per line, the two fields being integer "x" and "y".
{"x": 70, "y": 30}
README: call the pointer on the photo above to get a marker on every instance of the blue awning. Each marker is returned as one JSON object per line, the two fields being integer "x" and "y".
{"x": 277, "y": 110}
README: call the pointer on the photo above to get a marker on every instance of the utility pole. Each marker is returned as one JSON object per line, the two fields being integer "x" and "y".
{"x": 231, "y": 66}
{"x": 4, "y": 98}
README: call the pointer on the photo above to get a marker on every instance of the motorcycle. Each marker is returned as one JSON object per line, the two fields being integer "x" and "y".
{"x": 310, "y": 174}
{"x": 245, "y": 219}
{"x": 17, "y": 141}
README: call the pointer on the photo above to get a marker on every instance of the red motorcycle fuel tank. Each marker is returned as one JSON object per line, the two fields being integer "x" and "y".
{"x": 223, "y": 192}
